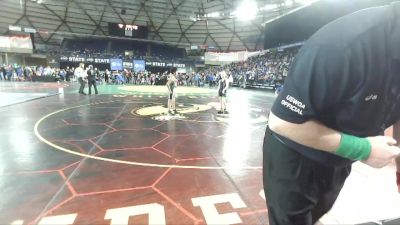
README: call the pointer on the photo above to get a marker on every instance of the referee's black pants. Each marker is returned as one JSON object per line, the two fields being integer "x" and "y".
{"x": 92, "y": 83}
{"x": 82, "y": 83}
{"x": 298, "y": 190}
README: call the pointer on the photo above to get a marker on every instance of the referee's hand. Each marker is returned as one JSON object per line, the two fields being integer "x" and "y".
{"x": 398, "y": 172}
{"x": 383, "y": 151}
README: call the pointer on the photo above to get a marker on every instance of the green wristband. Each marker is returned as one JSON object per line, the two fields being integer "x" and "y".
{"x": 353, "y": 147}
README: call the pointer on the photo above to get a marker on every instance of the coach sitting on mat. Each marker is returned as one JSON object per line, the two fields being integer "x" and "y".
{"x": 341, "y": 93}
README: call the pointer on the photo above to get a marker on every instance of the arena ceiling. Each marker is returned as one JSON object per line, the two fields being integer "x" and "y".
{"x": 178, "y": 22}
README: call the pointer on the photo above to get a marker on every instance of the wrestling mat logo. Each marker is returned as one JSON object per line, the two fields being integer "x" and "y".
{"x": 160, "y": 112}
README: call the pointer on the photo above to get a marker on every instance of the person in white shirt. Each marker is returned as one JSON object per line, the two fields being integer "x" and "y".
{"x": 230, "y": 78}
{"x": 81, "y": 75}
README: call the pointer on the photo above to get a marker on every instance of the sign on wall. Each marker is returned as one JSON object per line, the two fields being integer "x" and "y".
{"x": 116, "y": 64}
{"x": 138, "y": 65}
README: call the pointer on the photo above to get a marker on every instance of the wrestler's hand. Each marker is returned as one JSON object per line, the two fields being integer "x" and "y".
{"x": 383, "y": 151}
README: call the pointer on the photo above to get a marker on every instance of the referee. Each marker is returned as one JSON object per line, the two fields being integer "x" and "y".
{"x": 80, "y": 74}
{"x": 341, "y": 93}
{"x": 91, "y": 76}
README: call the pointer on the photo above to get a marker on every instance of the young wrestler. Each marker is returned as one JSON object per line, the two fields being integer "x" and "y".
{"x": 171, "y": 85}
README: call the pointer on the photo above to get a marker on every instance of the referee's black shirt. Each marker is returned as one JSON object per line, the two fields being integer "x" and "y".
{"x": 346, "y": 76}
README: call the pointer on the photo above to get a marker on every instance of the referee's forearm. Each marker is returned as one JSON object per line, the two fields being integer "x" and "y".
{"x": 396, "y": 136}
{"x": 398, "y": 163}
{"x": 311, "y": 133}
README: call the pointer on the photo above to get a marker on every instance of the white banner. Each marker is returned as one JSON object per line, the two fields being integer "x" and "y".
{"x": 4, "y": 42}
{"x": 216, "y": 58}
{"x": 18, "y": 44}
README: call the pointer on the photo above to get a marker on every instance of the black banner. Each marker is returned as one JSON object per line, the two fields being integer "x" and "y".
{"x": 81, "y": 59}
{"x": 165, "y": 64}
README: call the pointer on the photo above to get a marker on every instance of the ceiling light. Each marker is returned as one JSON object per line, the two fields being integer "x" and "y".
{"x": 306, "y": 2}
{"x": 213, "y": 14}
{"x": 247, "y": 10}
{"x": 289, "y": 2}
{"x": 14, "y": 28}
{"x": 270, "y": 7}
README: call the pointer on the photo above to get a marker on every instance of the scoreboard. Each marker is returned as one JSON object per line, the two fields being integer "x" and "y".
{"x": 127, "y": 30}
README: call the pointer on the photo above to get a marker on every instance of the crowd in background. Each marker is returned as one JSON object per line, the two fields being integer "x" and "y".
{"x": 267, "y": 69}
{"x": 126, "y": 76}
{"x": 22, "y": 73}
